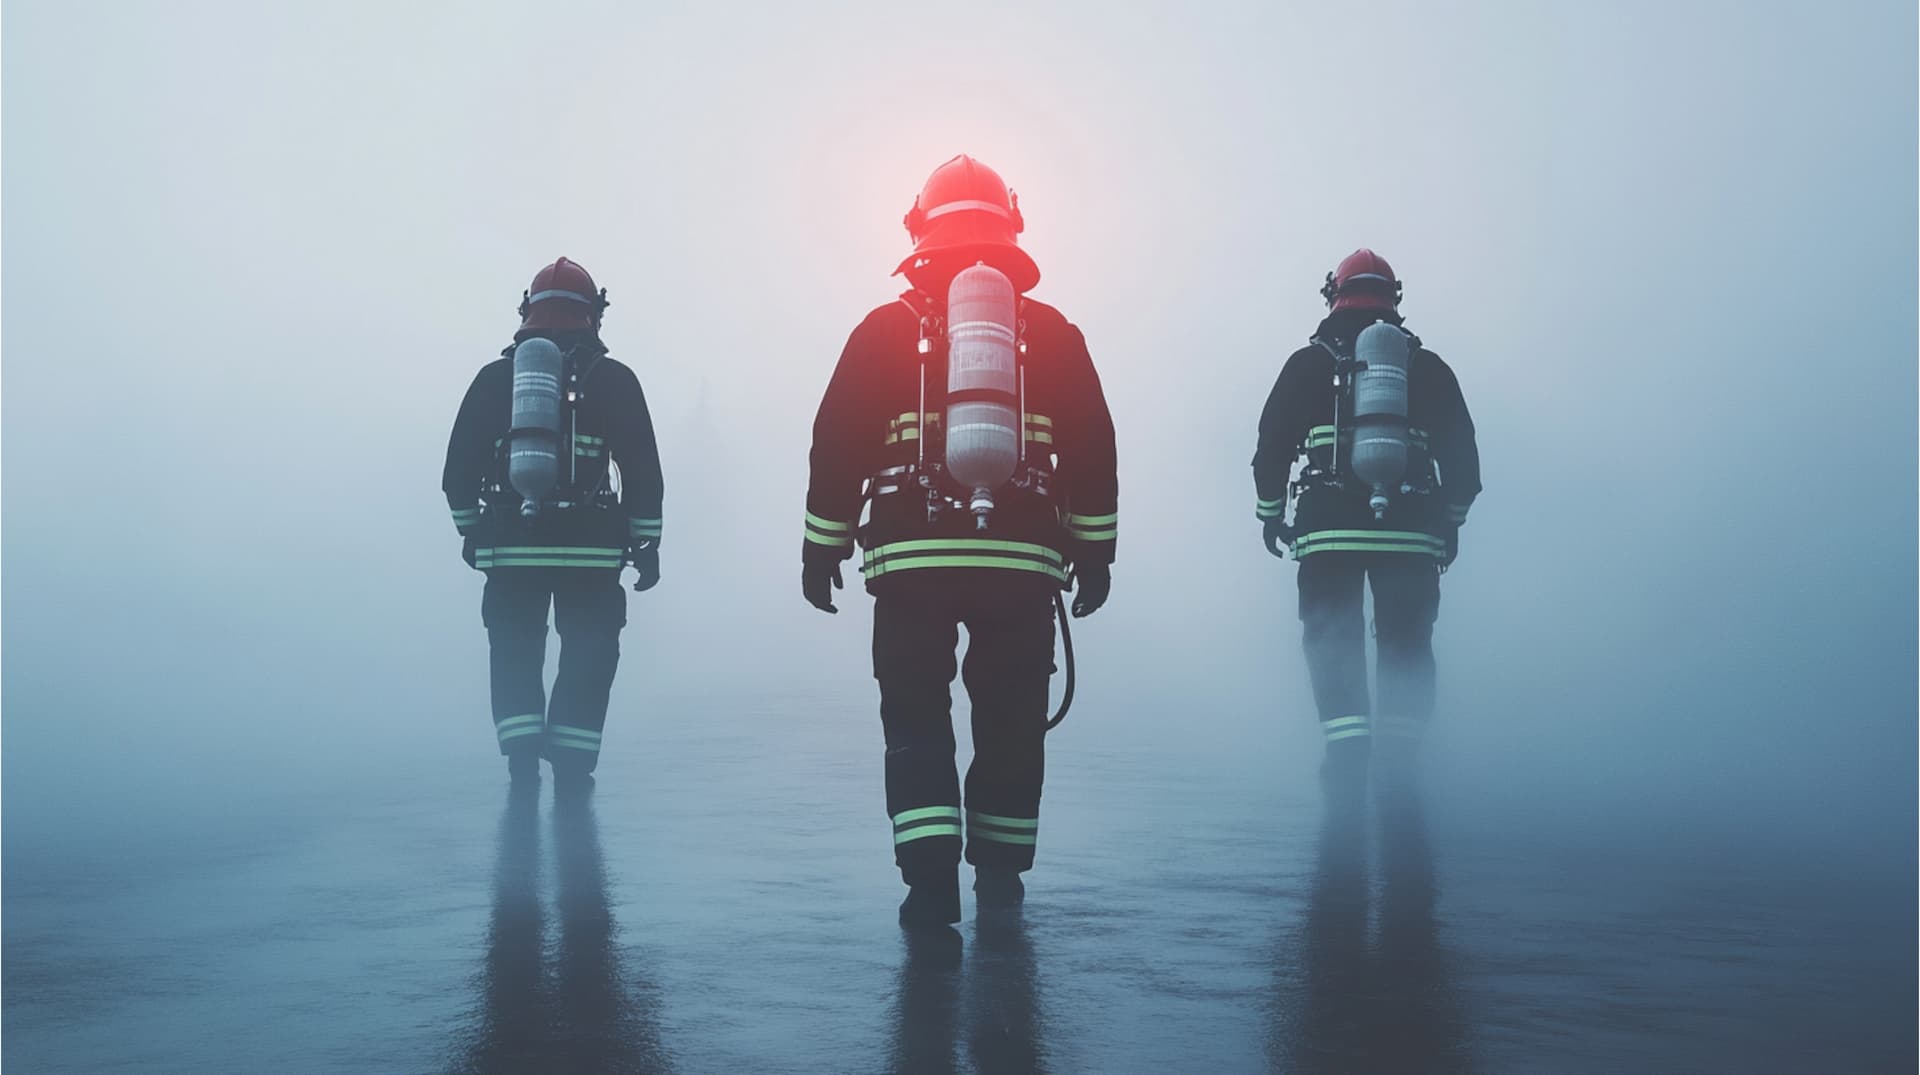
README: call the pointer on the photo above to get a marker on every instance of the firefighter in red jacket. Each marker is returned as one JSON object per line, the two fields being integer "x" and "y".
{"x": 919, "y": 404}
{"x": 568, "y": 551}
{"x": 1348, "y": 531}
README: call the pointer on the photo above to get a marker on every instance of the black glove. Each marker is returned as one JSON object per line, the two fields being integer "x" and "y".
{"x": 818, "y": 580}
{"x": 1093, "y": 582}
{"x": 646, "y": 560}
{"x": 1453, "y": 549}
{"x": 1278, "y": 536}
{"x": 466, "y": 551}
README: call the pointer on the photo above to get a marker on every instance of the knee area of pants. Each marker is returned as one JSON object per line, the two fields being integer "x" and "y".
{"x": 593, "y": 646}
{"x": 1403, "y": 636}
{"x": 517, "y": 634}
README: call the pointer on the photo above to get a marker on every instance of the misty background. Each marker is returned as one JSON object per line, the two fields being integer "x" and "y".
{"x": 254, "y": 254}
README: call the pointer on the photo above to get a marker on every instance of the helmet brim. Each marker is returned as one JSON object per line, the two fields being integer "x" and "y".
{"x": 1019, "y": 266}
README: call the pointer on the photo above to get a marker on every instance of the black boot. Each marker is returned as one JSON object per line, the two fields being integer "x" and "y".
{"x": 1343, "y": 773}
{"x": 998, "y": 886}
{"x": 571, "y": 783}
{"x": 523, "y": 768}
{"x": 933, "y": 900}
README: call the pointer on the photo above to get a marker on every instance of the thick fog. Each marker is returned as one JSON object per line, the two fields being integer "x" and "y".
{"x": 254, "y": 254}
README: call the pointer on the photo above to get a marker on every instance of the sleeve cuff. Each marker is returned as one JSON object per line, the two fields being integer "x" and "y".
{"x": 465, "y": 519}
{"x": 829, "y": 533}
{"x": 639, "y": 529}
{"x": 1270, "y": 509}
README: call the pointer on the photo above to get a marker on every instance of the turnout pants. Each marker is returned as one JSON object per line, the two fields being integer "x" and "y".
{"x": 589, "y": 609}
{"x": 1406, "y": 601}
{"x": 1008, "y": 664}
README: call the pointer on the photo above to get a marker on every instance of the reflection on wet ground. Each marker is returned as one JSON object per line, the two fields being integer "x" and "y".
{"x": 579, "y": 1005}
{"x": 724, "y": 902}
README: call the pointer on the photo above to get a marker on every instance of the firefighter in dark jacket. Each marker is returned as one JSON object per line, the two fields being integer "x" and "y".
{"x": 1341, "y": 537}
{"x": 934, "y": 560}
{"x": 567, "y": 550}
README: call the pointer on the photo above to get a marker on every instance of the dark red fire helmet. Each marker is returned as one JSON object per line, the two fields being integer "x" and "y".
{"x": 966, "y": 212}
{"x": 1362, "y": 281}
{"x": 562, "y": 297}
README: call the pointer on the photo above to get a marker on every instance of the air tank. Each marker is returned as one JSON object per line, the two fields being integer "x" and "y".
{"x": 1380, "y": 411}
{"x": 983, "y": 385}
{"x": 533, "y": 449}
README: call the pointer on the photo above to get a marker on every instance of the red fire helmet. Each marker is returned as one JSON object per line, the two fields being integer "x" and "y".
{"x": 966, "y": 211}
{"x": 562, "y": 297}
{"x": 1362, "y": 281}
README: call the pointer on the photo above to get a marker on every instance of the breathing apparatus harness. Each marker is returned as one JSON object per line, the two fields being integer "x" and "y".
{"x": 1347, "y": 366}
{"x": 928, "y": 472}
{"x": 496, "y": 490}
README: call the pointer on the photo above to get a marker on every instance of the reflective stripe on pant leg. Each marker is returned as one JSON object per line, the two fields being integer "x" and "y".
{"x": 514, "y": 610}
{"x": 589, "y": 609}
{"x": 518, "y": 727}
{"x": 1003, "y": 830}
{"x": 1333, "y": 633}
{"x": 1010, "y": 648}
{"x": 1351, "y": 727}
{"x": 914, "y": 635}
{"x": 561, "y": 735}
{"x": 924, "y": 821}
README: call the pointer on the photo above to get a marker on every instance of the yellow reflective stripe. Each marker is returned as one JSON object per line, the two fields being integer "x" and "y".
{"x": 828, "y": 525}
{"x": 1039, "y": 420}
{"x": 1025, "y": 839}
{"x": 1039, "y": 437}
{"x": 831, "y": 542}
{"x": 964, "y": 544}
{"x": 1092, "y": 520}
{"x": 1350, "y": 733}
{"x": 948, "y": 828}
{"x": 524, "y": 718}
{"x": 1006, "y": 563}
{"x": 546, "y": 550}
{"x": 1109, "y": 534}
{"x": 1345, "y": 722}
{"x": 923, "y": 812}
{"x": 909, "y": 433}
{"x": 1027, "y": 823}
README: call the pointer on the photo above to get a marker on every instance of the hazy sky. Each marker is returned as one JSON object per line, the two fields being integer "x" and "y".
{"x": 254, "y": 253}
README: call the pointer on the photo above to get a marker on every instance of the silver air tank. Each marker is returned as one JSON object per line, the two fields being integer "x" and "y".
{"x": 983, "y": 385}
{"x": 533, "y": 448}
{"x": 1380, "y": 411}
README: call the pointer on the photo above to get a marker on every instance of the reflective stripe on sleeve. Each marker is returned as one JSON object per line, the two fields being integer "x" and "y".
{"x": 827, "y": 532}
{"x": 1270, "y": 509}
{"x": 1093, "y": 527}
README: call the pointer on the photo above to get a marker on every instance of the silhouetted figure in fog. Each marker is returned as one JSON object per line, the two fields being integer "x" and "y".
{"x": 1384, "y": 1005}
{"x": 972, "y": 417}
{"x": 588, "y": 1014}
{"x": 1389, "y": 469}
{"x": 554, "y": 482}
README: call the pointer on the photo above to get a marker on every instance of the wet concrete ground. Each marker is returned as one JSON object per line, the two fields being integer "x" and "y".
{"x": 724, "y": 901}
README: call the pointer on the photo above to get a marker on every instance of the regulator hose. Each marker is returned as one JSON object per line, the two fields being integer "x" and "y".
{"x": 1066, "y": 643}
